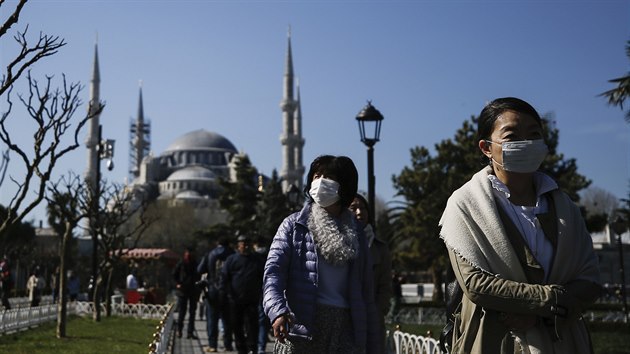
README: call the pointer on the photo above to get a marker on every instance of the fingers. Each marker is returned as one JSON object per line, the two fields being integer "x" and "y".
{"x": 280, "y": 329}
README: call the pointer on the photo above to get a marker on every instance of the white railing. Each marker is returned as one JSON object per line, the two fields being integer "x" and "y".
{"x": 146, "y": 311}
{"x": 17, "y": 319}
{"x": 21, "y": 317}
{"x": 405, "y": 343}
{"x": 162, "y": 337}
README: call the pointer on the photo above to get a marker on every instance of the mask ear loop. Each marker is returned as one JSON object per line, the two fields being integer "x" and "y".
{"x": 490, "y": 159}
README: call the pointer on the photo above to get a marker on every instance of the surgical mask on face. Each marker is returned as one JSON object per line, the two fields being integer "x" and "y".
{"x": 324, "y": 192}
{"x": 523, "y": 156}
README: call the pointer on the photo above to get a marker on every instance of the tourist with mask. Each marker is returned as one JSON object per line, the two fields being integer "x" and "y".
{"x": 518, "y": 246}
{"x": 381, "y": 262}
{"x": 318, "y": 286}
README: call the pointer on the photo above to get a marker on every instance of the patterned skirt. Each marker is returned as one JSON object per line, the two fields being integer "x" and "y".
{"x": 332, "y": 335}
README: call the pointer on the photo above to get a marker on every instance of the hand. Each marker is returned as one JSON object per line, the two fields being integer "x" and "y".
{"x": 281, "y": 328}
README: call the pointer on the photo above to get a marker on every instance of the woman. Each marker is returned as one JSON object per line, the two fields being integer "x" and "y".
{"x": 381, "y": 263}
{"x": 318, "y": 282}
{"x": 518, "y": 246}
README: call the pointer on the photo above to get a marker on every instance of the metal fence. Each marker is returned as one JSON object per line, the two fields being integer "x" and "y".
{"x": 21, "y": 316}
{"x": 405, "y": 343}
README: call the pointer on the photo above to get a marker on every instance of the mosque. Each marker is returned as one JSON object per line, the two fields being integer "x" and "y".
{"x": 189, "y": 170}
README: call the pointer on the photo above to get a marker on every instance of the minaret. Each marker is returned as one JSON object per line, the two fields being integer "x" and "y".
{"x": 298, "y": 141}
{"x": 291, "y": 129}
{"x": 91, "y": 141}
{"x": 139, "y": 142}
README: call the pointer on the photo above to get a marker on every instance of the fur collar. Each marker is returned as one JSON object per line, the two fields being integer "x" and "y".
{"x": 336, "y": 239}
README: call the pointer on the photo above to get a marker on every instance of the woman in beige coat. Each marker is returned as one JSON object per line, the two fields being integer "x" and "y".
{"x": 518, "y": 246}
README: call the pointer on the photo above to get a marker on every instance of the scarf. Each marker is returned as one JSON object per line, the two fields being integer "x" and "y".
{"x": 472, "y": 228}
{"x": 337, "y": 240}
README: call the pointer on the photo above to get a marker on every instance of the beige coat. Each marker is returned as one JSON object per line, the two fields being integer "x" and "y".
{"x": 502, "y": 280}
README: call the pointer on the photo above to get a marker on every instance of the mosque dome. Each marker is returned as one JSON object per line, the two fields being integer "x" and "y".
{"x": 201, "y": 140}
{"x": 189, "y": 195}
{"x": 191, "y": 173}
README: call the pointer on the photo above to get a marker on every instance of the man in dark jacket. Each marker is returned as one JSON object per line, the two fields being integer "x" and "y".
{"x": 186, "y": 276}
{"x": 216, "y": 301}
{"x": 242, "y": 282}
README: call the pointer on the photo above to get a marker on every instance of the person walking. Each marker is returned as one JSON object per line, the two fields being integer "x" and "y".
{"x": 6, "y": 282}
{"x": 216, "y": 302}
{"x": 394, "y": 303}
{"x": 381, "y": 261}
{"x": 261, "y": 249}
{"x": 518, "y": 246}
{"x": 35, "y": 285}
{"x": 186, "y": 276}
{"x": 74, "y": 285}
{"x": 318, "y": 283}
{"x": 241, "y": 280}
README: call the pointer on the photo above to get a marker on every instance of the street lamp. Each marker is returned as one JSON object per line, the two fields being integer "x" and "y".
{"x": 293, "y": 196}
{"x": 369, "y": 120}
{"x": 105, "y": 150}
{"x": 619, "y": 226}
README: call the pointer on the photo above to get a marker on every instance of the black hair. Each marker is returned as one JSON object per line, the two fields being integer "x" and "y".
{"x": 494, "y": 109}
{"x": 345, "y": 174}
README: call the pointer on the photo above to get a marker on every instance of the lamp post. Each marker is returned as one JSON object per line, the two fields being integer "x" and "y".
{"x": 293, "y": 196}
{"x": 105, "y": 150}
{"x": 619, "y": 226}
{"x": 369, "y": 119}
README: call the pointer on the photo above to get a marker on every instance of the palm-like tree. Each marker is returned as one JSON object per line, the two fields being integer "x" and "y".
{"x": 618, "y": 95}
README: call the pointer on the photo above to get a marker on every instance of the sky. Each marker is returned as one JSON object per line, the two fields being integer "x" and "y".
{"x": 427, "y": 66}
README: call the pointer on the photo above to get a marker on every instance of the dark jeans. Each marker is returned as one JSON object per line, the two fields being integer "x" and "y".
{"x": 263, "y": 328}
{"x": 214, "y": 312}
{"x": 245, "y": 320}
{"x": 182, "y": 304}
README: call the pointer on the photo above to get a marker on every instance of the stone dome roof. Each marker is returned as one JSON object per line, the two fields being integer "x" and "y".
{"x": 201, "y": 140}
{"x": 191, "y": 173}
{"x": 188, "y": 195}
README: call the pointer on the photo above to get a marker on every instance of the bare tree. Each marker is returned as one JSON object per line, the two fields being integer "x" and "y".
{"x": 121, "y": 223}
{"x": 599, "y": 201}
{"x": 121, "y": 220}
{"x": 51, "y": 111}
{"x": 64, "y": 199}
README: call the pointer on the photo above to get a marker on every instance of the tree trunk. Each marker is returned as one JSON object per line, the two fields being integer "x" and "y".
{"x": 108, "y": 298}
{"x": 96, "y": 299}
{"x": 62, "y": 298}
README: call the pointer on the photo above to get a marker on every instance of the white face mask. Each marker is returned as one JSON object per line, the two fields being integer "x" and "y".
{"x": 523, "y": 156}
{"x": 324, "y": 191}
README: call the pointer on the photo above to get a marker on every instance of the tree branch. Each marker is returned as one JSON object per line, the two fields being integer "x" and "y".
{"x": 53, "y": 113}
{"x": 47, "y": 45}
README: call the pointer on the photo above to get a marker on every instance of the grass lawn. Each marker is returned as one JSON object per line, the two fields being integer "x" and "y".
{"x": 111, "y": 335}
{"x": 608, "y": 338}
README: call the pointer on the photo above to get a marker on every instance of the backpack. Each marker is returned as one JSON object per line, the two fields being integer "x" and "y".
{"x": 214, "y": 277}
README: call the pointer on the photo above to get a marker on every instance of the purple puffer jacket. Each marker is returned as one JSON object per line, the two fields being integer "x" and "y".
{"x": 290, "y": 282}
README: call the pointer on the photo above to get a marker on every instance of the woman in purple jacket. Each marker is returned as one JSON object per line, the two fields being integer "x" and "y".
{"x": 318, "y": 283}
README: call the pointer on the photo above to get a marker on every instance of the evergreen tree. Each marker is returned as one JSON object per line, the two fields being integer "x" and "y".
{"x": 240, "y": 197}
{"x": 429, "y": 181}
{"x": 618, "y": 95}
{"x": 272, "y": 209}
